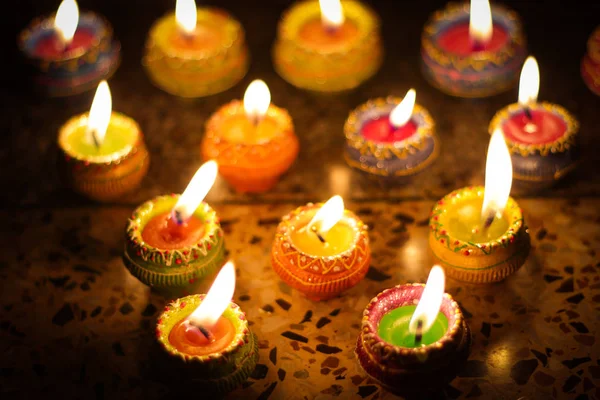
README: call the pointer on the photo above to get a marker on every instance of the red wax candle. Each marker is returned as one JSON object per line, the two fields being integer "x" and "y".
{"x": 457, "y": 40}
{"x": 189, "y": 340}
{"x": 380, "y": 130}
{"x": 51, "y": 46}
{"x": 164, "y": 233}
{"x": 543, "y": 127}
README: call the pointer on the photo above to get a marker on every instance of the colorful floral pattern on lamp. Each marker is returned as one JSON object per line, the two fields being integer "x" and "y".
{"x": 541, "y": 137}
{"x": 328, "y": 46}
{"x": 253, "y": 141}
{"x": 206, "y": 338}
{"x": 321, "y": 249}
{"x": 69, "y": 53}
{"x": 413, "y": 337}
{"x": 390, "y": 139}
{"x": 175, "y": 243}
{"x": 102, "y": 153}
{"x": 196, "y": 52}
{"x": 479, "y": 234}
{"x": 472, "y": 51}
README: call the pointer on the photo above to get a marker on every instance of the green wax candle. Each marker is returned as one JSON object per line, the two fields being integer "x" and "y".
{"x": 121, "y": 136}
{"x": 393, "y": 328}
{"x": 463, "y": 221}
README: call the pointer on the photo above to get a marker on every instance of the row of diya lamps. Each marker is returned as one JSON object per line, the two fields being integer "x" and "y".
{"x": 324, "y": 46}
{"x": 410, "y": 333}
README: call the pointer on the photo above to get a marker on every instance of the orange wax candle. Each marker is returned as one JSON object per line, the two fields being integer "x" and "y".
{"x": 164, "y": 233}
{"x": 240, "y": 129}
{"x": 204, "y": 39}
{"x": 315, "y": 34}
{"x": 190, "y": 340}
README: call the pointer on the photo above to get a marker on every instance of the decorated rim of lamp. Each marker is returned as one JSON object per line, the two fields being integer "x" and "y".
{"x": 512, "y": 212}
{"x": 104, "y": 34}
{"x": 441, "y": 18}
{"x": 560, "y": 145}
{"x": 593, "y": 45}
{"x": 590, "y": 72}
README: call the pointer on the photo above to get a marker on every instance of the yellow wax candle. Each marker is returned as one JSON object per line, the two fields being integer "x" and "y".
{"x": 121, "y": 136}
{"x": 239, "y": 129}
{"x": 463, "y": 221}
{"x": 314, "y": 34}
{"x": 208, "y": 35}
{"x": 340, "y": 238}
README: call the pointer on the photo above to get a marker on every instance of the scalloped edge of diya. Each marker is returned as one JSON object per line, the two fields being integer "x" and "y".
{"x": 590, "y": 72}
{"x": 593, "y": 46}
{"x": 79, "y": 71}
{"x": 210, "y": 72}
{"x": 103, "y": 178}
{"x": 251, "y": 168}
{"x": 218, "y": 372}
{"x": 390, "y": 162}
{"x": 482, "y": 75}
{"x": 538, "y": 166}
{"x": 484, "y": 262}
{"x": 320, "y": 278}
{"x": 327, "y": 71}
{"x": 173, "y": 272}
{"x": 403, "y": 370}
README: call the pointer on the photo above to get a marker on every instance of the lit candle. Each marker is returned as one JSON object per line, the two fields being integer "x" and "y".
{"x": 71, "y": 52}
{"x": 196, "y": 52}
{"x": 542, "y": 137}
{"x": 590, "y": 63}
{"x": 478, "y": 233}
{"x": 253, "y": 141}
{"x": 328, "y": 45}
{"x": 321, "y": 249}
{"x": 473, "y": 50}
{"x": 175, "y": 242}
{"x": 413, "y": 333}
{"x": 390, "y": 139}
{"x": 207, "y": 338}
{"x": 103, "y": 152}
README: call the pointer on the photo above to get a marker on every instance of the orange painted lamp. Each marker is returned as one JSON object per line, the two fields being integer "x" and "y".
{"x": 321, "y": 249}
{"x": 478, "y": 234}
{"x": 207, "y": 339}
{"x": 253, "y": 141}
{"x": 102, "y": 153}
{"x": 173, "y": 243}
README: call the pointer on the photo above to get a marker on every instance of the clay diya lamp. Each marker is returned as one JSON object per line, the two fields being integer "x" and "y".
{"x": 206, "y": 338}
{"x": 321, "y": 249}
{"x": 102, "y": 153}
{"x": 590, "y": 64}
{"x": 174, "y": 243}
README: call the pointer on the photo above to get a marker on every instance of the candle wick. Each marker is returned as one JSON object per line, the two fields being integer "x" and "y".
{"x": 321, "y": 238}
{"x": 419, "y": 333}
{"x": 255, "y": 119}
{"x": 205, "y": 332}
{"x": 95, "y": 138}
{"x": 478, "y": 45}
{"x": 527, "y": 112}
{"x": 177, "y": 217}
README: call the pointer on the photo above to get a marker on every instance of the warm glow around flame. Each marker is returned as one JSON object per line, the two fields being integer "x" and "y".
{"x": 257, "y": 99}
{"x": 498, "y": 177}
{"x": 186, "y": 15}
{"x": 401, "y": 114}
{"x": 430, "y": 301}
{"x": 332, "y": 14}
{"x": 196, "y": 191}
{"x": 529, "y": 84}
{"x": 100, "y": 112}
{"x": 217, "y": 299}
{"x": 480, "y": 21}
{"x": 66, "y": 20}
{"x": 328, "y": 215}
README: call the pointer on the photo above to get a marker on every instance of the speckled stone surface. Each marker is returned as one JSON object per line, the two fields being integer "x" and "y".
{"x": 74, "y": 323}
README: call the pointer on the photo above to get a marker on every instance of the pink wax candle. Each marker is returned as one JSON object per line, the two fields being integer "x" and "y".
{"x": 457, "y": 40}
{"x": 52, "y": 46}
{"x": 395, "y": 126}
{"x": 544, "y": 126}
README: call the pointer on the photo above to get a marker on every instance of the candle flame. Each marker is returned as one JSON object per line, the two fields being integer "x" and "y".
{"x": 186, "y": 15}
{"x": 100, "y": 113}
{"x": 66, "y": 20}
{"x": 217, "y": 299}
{"x": 430, "y": 301}
{"x": 529, "y": 84}
{"x": 195, "y": 192}
{"x": 498, "y": 177}
{"x": 328, "y": 215}
{"x": 257, "y": 100}
{"x": 401, "y": 114}
{"x": 480, "y": 21}
{"x": 332, "y": 14}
